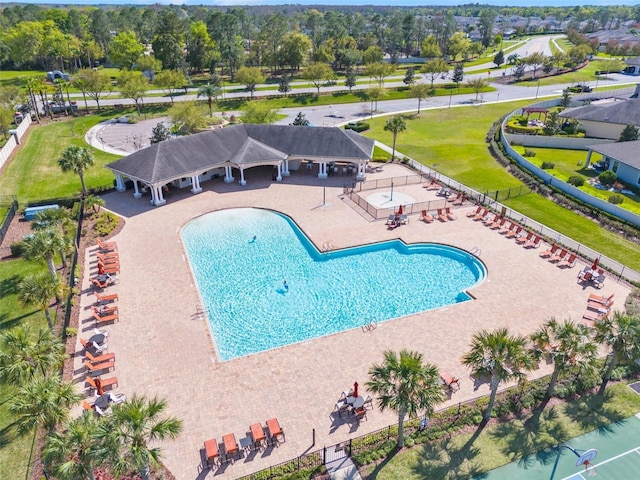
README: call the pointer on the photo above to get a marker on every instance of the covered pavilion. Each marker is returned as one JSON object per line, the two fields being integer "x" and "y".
{"x": 188, "y": 161}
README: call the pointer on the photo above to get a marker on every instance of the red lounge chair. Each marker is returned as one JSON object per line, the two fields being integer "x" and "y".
{"x": 433, "y": 185}
{"x": 453, "y": 384}
{"x": 230, "y": 446}
{"x": 107, "y": 246}
{"x": 426, "y": 217}
{"x": 569, "y": 262}
{"x": 100, "y": 358}
{"x": 488, "y": 219}
{"x": 212, "y": 452}
{"x": 535, "y": 243}
{"x": 593, "y": 316}
{"x": 558, "y": 256}
{"x": 99, "y": 366}
{"x": 505, "y": 229}
{"x": 601, "y": 299}
{"x": 481, "y": 215}
{"x": 104, "y": 310}
{"x": 93, "y": 345}
{"x": 107, "y": 257}
{"x": 450, "y": 215}
{"x": 459, "y": 199}
{"x": 514, "y": 232}
{"x": 548, "y": 253}
{"x": 499, "y": 223}
{"x": 275, "y": 431}
{"x": 110, "y": 269}
{"x": 108, "y": 261}
{"x": 111, "y": 382}
{"x": 522, "y": 239}
{"x": 473, "y": 214}
{"x": 259, "y": 438}
{"x": 599, "y": 306}
{"x": 112, "y": 297}
{"x": 105, "y": 318}
{"x": 441, "y": 215}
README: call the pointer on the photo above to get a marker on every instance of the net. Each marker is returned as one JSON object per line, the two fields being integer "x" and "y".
{"x": 589, "y": 469}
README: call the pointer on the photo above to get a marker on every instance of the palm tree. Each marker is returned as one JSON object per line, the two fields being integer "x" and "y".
{"x": 44, "y": 401}
{"x": 76, "y": 159}
{"x": 404, "y": 384}
{"x": 43, "y": 245}
{"x": 38, "y": 290}
{"x": 52, "y": 218}
{"x": 395, "y": 125}
{"x": 567, "y": 345}
{"x": 30, "y": 84}
{"x": 130, "y": 429}
{"x": 72, "y": 453}
{"x": 211, "y": 92}
{"x": 499, "y": 355}
{"x": 621, "y": 333}
{"x": 94, "y": 202}
{"x": 23, "y": 356}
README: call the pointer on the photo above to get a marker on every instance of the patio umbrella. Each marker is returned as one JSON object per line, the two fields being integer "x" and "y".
{"x": 399, "y": 210}
{"x": 355, "y": 389}
{"x": 595, "y": 264}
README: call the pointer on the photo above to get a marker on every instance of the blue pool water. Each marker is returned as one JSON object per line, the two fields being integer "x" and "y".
{"x": 241, "y": 280}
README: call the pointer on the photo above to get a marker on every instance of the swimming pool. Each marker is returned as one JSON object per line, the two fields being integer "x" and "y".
{"x": 241, "y": 280}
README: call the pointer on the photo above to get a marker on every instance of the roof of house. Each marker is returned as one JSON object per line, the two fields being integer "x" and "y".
{"x": 620, "y": 112}
{"x": 625, "y": 152}
{"x": 243, "y": 146}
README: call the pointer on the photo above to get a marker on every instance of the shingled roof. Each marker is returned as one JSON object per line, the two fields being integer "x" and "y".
{"x": 241, "y": 146}
{"x": 625, "y": 152}
{"x": 620, "y": 112}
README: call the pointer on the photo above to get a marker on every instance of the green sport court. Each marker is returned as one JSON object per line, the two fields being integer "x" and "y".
{"x": 618, "y": 446}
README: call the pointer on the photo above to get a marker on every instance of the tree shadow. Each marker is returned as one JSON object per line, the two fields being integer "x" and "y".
{"x": 383, "y": 464}
{"x": 536, "y": 435}
{"x": 9, "y": 285}
{"x": 450, "y": 459}
{"x": 591, "y": 412}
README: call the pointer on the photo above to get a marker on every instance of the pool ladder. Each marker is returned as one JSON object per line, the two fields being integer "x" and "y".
{"x": 476, "y": 251}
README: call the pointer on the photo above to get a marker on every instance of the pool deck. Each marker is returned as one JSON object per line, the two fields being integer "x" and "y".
{"x": 163, "y": 347}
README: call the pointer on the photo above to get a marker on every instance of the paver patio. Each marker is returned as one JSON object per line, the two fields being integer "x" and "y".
{"x": 163, "y": 347}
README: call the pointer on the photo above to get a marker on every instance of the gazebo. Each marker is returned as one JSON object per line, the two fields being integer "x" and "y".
{"x": 188, "y": 161}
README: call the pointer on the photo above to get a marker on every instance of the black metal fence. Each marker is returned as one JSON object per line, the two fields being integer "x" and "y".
{"x": 13, "y": 208}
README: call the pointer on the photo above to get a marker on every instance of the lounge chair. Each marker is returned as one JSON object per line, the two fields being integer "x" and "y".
{"x": 514, "y": 232}
{"x": 86, "y": 406}
{"x": 105, "y": 318}
{"x": 593, "y": 316}
{"x": 111, "y": 269}
{"x": 522, "y": 239}
{"x": 459, "y": 200}
{"x": 587, "y": 322}
{"x": 112, "y": 297}
{"x": 108, "y": 262}
{"x": 489, "y": 220}
{"x": 505, "y": 229}
{"x": 498, "y": 224}
{"x": 107, "y": 246}
{"x": 449, "y": 214}
{"x": 598, "y": 306}
{"x": 426, "y": 217}
{"x": 110, "y": 382}
{"x": 231, "y": 448}
{"x": 441, "y": 215}
{"x": 275, "y": 431}
{"x": 103, "y": 281}
{"x": 535, "y": 243}
{"x": 211, "y": 452}
{"x": 99, "y": 367}
{"x": 433, "y": 185}
{"x": 473, "y": 214}
{"x": 569, "y": 262}
{"x": 100, "y": 358}
{"x": 108, "y": 257}
{"x": 481, "y": 215}
{"x": 558, "y": 256}
{"x": 601, "y": 299}
{"x": 550, "y": 252}
{"x": 453, "y": 384}
{"x": 103, "y": 311}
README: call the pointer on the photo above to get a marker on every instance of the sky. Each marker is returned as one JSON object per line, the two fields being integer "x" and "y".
{"x": 413, "y": 3}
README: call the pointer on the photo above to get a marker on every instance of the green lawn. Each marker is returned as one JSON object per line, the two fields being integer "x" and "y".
{"x": 14, "y": 450}
{"x": 34, "y": 173}
{"x": 467, "y": 160}
{"x": 463, "y": 456}
{"x": 571, "y": 162}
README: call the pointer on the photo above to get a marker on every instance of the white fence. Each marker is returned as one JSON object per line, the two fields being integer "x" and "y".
{"x": 11, "y": 143}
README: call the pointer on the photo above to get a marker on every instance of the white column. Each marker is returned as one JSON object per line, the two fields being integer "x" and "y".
{"x": 586, "y": 165}
{"x": 285, "y": 170}
{"x": 136, "y": 192}
{"x": 160, "y": 199}
{"x": 120, "y": 186}
{"x": 322, "y": 171}
{"x": 242, "y": 182}
{"x": 279, "y": 177}
{"x": 362, "y": 171}
{"x": 228, "y": 178}
{"x": 154, "y": 194}
{"x": 195, "y": 184}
